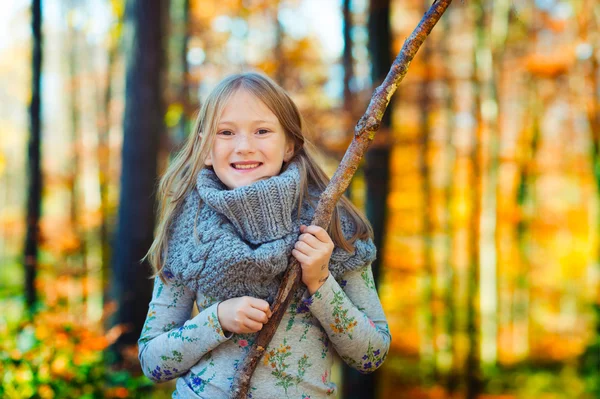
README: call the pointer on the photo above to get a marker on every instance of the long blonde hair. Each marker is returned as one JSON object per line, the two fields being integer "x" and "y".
{"x": 180, "y": 177}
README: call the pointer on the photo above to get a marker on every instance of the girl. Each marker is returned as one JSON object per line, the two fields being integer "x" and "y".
{"x": 235, "y": 204}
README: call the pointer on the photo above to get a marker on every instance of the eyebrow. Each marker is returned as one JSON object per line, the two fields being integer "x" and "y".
{"x": 255, "y": 122}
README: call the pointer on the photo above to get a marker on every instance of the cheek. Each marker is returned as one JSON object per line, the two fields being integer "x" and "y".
{"x": 218, "y": 152}
{"x": 278, "y": 149}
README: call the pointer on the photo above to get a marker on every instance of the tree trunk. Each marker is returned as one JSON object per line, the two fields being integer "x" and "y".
{"x": 364, "y": 133}
{"x": 34, "y": 189}
{"x": 142, "y": 127}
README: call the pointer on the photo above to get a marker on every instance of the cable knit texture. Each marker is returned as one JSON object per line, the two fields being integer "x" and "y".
{"x": 244, "y": 237}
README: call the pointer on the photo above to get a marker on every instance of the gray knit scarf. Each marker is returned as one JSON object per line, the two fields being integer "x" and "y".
{"x": 245, "y": 236}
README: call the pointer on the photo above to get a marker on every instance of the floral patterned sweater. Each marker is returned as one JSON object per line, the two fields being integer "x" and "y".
{"x": 345, "y": 317}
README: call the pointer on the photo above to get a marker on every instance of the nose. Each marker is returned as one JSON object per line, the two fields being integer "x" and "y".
{"x": 244, "y": 144}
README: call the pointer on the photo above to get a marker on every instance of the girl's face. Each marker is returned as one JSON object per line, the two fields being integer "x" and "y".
{"x": 250, "y": 143}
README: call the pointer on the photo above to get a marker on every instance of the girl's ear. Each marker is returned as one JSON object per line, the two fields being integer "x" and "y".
{"x": 289, "y": 151}
{"x": 208, "y": 160}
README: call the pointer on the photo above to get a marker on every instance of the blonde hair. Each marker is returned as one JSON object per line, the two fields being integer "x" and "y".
{"x": 180, "y": 177}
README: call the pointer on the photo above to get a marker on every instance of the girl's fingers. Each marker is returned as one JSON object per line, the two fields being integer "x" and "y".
{"x": 318, "y": 232}
{"x": 257, "y": 315}
{"x": 252, "y": 325}
{"x": 310, "y": 240}
{"x": 260, "y": 304}
{"x": 300, "y": 256}
{"x": 304, "y": 248}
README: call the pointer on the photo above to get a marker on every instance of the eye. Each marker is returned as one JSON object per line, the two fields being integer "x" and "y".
{"x": 225, "y": 132}
{"x": 263, "y": 131}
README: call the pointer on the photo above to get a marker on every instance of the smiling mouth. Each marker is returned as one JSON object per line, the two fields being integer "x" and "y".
{"x": 246, "y": 167}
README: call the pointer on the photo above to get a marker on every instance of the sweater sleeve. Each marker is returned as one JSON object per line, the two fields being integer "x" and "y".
{"x": 170, "y": 342}
{"x": 353, "y": 318}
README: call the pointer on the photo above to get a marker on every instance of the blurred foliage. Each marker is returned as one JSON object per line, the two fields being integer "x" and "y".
{"x": 56, "y": 356}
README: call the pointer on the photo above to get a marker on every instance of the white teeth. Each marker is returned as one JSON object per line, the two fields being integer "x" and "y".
{"x": 245, "y": 166}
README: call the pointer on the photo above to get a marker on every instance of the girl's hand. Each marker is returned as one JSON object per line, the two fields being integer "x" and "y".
{"x": 313, "y": 250}
{"x": 243, "y": 315}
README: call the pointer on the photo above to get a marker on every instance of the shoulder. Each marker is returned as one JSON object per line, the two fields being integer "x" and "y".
{"x": 360, "y": 274}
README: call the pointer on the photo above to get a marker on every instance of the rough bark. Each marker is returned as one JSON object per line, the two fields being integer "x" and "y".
{"x": 364, "y": 133}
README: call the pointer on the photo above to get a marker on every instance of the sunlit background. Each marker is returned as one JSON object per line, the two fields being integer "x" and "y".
{"x": 488, "y": 265}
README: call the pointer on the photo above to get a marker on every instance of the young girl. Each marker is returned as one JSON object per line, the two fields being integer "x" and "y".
{"x": 235, "y": 205}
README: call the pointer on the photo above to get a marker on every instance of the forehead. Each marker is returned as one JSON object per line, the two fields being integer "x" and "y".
{"x": 244, "y": 106}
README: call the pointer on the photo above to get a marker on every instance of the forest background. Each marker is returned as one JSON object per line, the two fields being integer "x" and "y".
{"x": 482, "y": 184}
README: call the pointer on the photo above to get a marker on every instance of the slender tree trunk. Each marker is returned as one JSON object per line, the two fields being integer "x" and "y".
{"x": 34, "y": 189}
{"x": 143, "y": 127}
{"x": 377, "y": 174}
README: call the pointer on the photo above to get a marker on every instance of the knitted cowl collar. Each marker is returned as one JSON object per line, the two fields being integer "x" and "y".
{"x": 245, "y": 236}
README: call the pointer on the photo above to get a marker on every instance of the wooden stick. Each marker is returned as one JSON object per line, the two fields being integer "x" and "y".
{"x": 364, "y": 132}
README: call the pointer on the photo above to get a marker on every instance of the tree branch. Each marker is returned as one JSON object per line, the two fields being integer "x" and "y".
{"x": 364, "y": 132}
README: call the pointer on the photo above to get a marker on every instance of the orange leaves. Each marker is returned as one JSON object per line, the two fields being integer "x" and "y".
{"x": 552, "y": 64}
{"x": 58, "y": 237}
